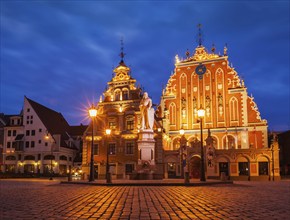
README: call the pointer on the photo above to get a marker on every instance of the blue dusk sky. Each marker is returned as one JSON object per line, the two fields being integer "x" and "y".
{"x": 61, "y": 53}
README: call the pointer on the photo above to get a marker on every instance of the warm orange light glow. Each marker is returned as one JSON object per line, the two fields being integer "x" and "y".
{"x": 93, "y": 111}
{"x": 108, "y": 131}
{"x": 200, "y": 113}
{"x": 181, "y": 132}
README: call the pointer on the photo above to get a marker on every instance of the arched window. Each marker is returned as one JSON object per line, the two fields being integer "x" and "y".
{"x": 172, "y": 113}
{"x": 234, "y": 109}
{"x": 229, "y": 142}
{"x": 215, "y": 142}
{"x": 117, "y": 95}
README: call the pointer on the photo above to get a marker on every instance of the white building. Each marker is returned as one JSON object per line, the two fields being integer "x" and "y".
{"x": 37, "y": 141}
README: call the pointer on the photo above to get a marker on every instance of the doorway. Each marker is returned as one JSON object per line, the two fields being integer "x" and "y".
{"x": 194, "y": 167}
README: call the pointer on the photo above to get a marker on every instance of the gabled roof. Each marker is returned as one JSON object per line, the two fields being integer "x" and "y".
{"x": 52, "y": 120}
{"x": 5, "y": 119}
{"x": 77, "y": 130}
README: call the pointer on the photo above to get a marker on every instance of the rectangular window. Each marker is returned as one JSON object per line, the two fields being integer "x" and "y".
{"x": 27, "y": 117}
{"x": 31, "y": 122}
{"x": 112, "y": 149}
{"x": 9, "y": 133}
{"x": 46, "y": 144}
{"x": 96, "y": 149}
{"x": 263, "y": 168}
{"x": 27, "y": 122}
{"x": 27, "y": 144}
{"x": 32, "y": 132}
{"x": 28, "y": 110}
{"x": 243, "y": 168}
{"x": 130, "y": 124}
{"x": 8, "y": 144}
{"x": 27, "y": 132}
{"x": 129, "y": 168}
{"x": 39, "y": 141}
{"x": 130, "y": 148}
{"x": 32, "y": 144}
{"x": 40, "y": 130}
{"x": 14, "y": 133}
{"x": 112, "y": 125}
{"x": 31, "y": 117}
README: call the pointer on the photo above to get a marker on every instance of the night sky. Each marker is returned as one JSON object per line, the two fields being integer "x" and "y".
{"x": 61, "y": 53}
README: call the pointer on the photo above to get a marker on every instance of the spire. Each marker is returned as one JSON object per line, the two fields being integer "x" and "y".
{"x": 199, "y": 35}
{"x": 122, "y": 54}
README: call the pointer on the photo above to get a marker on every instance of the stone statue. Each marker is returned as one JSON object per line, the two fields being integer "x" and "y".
{"x": 147, "y": 113}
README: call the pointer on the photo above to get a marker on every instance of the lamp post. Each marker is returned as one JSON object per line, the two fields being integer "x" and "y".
{"x": 201, "y": 113}
{"x": 93, "y": 114}
{"x": 184, "y": 174}
{"x": 51, "y": 156}
{"x": 108, "y": 175}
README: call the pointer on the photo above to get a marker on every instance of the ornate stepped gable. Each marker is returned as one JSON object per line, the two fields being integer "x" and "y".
{"x": 207, "y": 80}
{"x": 216, "y": 64}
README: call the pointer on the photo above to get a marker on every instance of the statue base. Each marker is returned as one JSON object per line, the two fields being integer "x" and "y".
{"x": 146, "y": 161}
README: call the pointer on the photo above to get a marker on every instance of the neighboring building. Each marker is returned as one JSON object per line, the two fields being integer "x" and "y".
{"x": 118, "y": 111}
{"x": 4, "y": 119}
{"x": 235, "y": 135}
{"x": 284, "y": 145}
{"x": 76, "y": 137}
{"x": 37, "y": 141}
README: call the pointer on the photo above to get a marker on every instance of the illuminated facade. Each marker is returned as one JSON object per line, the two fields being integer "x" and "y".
{"x": 37, "y": 142}
{"x": 118, "y": 110}
{"x": 236, "y": 137}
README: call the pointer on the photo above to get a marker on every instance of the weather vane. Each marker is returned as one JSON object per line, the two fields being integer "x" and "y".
{"x": 122, "y": 54}
{"x": 199, "y": 35}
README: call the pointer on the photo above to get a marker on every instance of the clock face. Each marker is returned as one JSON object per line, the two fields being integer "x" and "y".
{"x": 200, "y": 69}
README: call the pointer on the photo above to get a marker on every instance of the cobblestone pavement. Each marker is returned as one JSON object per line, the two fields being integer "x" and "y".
{"x": 43, "y": 199}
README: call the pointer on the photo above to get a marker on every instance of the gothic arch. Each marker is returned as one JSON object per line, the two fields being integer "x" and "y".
{"x": 175, "y": 143}
{"x": 215, "y": 141}
{"x": 172, "y": 113}
{"x": 229, "y": 141}
{"x": 234, "y": 110}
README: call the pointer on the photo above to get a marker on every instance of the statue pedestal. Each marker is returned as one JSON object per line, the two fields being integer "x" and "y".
{"x": 146, "y": 160}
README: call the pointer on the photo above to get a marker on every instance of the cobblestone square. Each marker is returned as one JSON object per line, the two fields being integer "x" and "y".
{"x": 44, "y": 199}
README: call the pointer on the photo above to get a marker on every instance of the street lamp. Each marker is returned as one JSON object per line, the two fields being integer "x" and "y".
{"x": 108, "y": 175}
{"x": 182, "y": 144}
{"x": 93, "y": 113}
{"x": 51, "y": 156}
{"x": 200, "y": 114}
